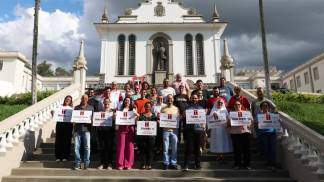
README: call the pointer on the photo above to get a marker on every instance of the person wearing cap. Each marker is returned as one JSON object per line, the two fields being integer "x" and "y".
{"x": 166, "y": 90}
{"x": 179, "y": 82}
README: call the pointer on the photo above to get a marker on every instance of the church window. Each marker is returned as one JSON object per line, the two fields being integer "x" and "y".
{"x": 132, "y": 54}
{"x": 189, "y": 55}
{"x": 200, "y": 54}
{"x": 121, "y": 55}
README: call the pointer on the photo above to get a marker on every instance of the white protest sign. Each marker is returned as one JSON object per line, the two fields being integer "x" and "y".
{"x": 63, "y": 114}
{"x": 81, "y": 116}
{"x": 146, "y": 128}
{"x": 125, "y": 118}
{"x": 242, "y": 118}
{"x": 196, "y": 116}
{"x": 169, "y": 120}
{"x": 269, "y": 121}
{"x": 102, "y": 119}
{"x": 216, "y": 119}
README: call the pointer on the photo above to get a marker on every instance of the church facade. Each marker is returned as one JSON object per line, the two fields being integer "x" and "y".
{"x": 159, "y": 39}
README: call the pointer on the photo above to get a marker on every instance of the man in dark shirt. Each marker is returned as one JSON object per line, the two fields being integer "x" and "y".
{"x": 82, "y": 133}
{"x": 181, "y": 101}
{"x": 200, "y": 87}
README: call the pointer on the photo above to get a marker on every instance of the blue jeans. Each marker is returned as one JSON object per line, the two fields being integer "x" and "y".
{"x": 170, "y": 138}
{"x": 268, "y": 141}
{"x": 83, "y": 136}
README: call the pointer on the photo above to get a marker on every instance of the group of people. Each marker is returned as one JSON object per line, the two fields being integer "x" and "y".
{"x": 148, "y": 103}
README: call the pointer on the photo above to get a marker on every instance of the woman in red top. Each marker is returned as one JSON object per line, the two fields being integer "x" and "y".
{"x": 238, "y": 97}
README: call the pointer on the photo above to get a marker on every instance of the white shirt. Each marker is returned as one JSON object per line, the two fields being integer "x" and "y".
{"x": 167, "y": 91}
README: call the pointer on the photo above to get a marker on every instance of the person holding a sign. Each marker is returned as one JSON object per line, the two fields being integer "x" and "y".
{"x": 169, "y": 116}
{"x": 255, "y": 107}
{"x": 240, "y": 134}
{"x": 146, "y": 142}
{"x": 268, "y": 137}
{"x": 82, "y": 134}
{"x": 125, "y": 140}
{"x": 106, "y": 134}
{"x": 64, "y": 131}
{"x": 220, "y": 140}
{"x": 194, "y": 132}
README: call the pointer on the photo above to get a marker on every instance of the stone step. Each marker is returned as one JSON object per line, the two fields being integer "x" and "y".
{"x": 156, "y": 165}
{"x": 220, "y": 173}
{"x": 137, "y": 179}
{"x": 204, "y": 157}
{"x": 50, "y": 150}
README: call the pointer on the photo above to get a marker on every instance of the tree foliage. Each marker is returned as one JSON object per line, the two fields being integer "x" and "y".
{"x": 59, "y": 71}
{"x": 45, "y": 69}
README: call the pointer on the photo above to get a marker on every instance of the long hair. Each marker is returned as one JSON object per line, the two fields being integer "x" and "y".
{"x": 124, "y": 104}
{"x": 69, "y": 96}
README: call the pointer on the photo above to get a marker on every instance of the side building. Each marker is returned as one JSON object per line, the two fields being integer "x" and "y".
{"x": 308, "y": 77}
{"x": 16, "y": 76}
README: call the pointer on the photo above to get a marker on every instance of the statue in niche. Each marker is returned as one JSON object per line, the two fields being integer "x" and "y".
{"x": 160, "y": 56}
{"x": 159, "y": 10}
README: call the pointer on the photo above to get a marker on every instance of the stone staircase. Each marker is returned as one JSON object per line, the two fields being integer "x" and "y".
{"x": 42, "y": 167}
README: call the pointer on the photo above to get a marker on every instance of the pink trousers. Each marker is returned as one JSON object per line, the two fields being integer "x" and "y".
{"x": 125, "y": 149}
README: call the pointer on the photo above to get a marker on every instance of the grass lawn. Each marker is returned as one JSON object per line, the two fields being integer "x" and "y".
{"x": 8, "y": 110}
{"x": 311, "y": 115}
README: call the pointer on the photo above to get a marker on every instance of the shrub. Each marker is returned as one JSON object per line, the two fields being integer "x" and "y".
{"x": 24, "y": 99}
{"x": 298, "y": 97}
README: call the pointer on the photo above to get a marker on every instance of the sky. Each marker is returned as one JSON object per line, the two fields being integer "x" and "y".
{"x": 294, "y": 29}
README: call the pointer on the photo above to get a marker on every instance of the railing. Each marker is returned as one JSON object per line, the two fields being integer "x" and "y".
{"x": 306, "y": 144}
{"x": 14, "y": 128}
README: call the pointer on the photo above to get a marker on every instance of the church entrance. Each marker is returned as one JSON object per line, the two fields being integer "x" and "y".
{"x": 160, "y": 59}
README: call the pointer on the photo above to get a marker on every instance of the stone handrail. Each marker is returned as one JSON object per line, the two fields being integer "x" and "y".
{"x": 13, "y": 129}
{"x": 303, "y": 142}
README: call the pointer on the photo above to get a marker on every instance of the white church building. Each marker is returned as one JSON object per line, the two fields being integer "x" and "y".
{"x": 159, "y": 39}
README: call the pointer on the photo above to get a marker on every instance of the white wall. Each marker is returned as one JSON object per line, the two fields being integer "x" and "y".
{"x": 109, "y": 54}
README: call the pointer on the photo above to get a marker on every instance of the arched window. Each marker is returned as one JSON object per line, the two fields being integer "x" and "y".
{"x": 189, "y": 55}
{"x": 132, "y": 54}
{"x": 200, "y": 54}
{"x": 121, "y": 55}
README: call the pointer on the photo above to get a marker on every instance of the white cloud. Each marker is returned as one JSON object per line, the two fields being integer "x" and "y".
{"x": 58, "y": 35}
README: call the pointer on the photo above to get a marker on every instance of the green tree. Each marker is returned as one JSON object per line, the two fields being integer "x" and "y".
{"x": 45, "y": 69}
{"x": 59, "y": 71}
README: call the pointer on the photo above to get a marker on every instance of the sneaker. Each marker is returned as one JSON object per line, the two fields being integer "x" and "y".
{"x": 174, "y": 167}
{"x": 64, "y": 160}
{"x": 85, "y": 167}
{"x": 77, "y": 168}
{"x": 109, "y": 167}
{"x": 58, "y": 160}
{"x": 120, "y": 168}
{"x": 148, "y": 167}
{"x": 185, "y": 168}
{"x": 101, "y": 167}
{"x": 236, "y": 167}
{"x": 165, "y": 167}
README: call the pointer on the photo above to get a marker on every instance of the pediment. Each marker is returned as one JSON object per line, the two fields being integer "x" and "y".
{"x": 160, "y": 11}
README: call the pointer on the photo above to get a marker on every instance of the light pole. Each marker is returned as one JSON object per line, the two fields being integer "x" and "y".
{"x": 34, "y": 56}
{"x": 265, "y": 51}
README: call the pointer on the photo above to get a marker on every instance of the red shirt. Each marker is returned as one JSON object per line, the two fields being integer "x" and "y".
{"x": 139, "y": 103}
{"x": 244, "y": 101}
